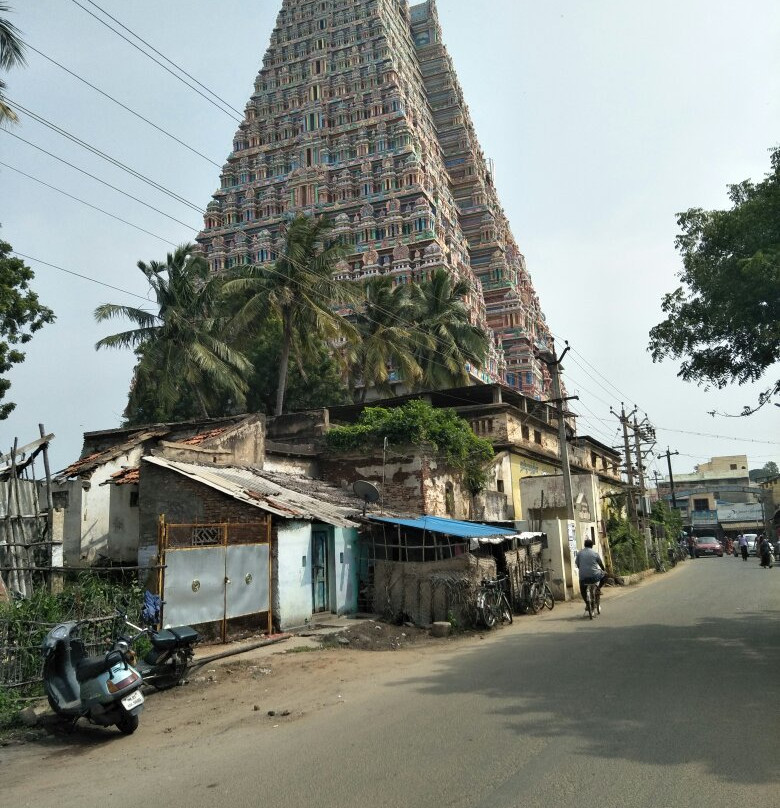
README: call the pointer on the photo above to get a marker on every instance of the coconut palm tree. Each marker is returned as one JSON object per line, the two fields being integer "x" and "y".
{"x": 385, "y": 344}
{"x": 300, "y": 289}
{"x": 445, "y": 338}
{"x": 181, "y": 349}
{"x": 11, "y": 55}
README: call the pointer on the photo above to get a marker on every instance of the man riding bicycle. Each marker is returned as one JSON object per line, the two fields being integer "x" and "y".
{"x": 591, "y": 567}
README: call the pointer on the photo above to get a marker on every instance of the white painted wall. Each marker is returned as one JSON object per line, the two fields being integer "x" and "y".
{"x": 123, "y": 523}
{"x": 99, "y": 519}
{"x": 292, "y": 598}
{"x": 71, "y": 523}
{"x": 344, "y": 570}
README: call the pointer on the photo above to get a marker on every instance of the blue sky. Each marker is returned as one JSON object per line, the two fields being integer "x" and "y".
{"x": 604, "y": 119}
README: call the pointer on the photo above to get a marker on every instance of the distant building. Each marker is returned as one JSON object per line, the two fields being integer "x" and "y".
{"x": 718, "y": 497}
{"x": 771, "y": 489}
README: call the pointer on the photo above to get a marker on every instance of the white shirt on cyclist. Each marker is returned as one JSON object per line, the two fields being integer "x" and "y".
{"x": 590, "y": 565}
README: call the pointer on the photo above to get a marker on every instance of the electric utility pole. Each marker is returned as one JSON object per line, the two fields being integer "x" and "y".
{"x": 643, "y": 433}
{"x": 668, "y": 455}
{"x": 554, "y": 365}
{"x": 630, "y": 502}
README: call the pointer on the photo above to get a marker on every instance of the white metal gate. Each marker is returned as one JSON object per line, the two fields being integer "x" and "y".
{"x": 215, "y": 573}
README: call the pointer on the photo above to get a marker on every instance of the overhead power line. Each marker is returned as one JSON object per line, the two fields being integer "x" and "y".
{"x": 108, "y": 158}
{"x": 78, "y": 275}
{"x": 97, "y": 179}
{"x": 720, "y": 437}
{"x": 624, "y": 397}
{"x": 239, "y": 119}
{"x": 88, "y": 204}
{"x": 123, "y": 106}
{"x": 163, "y": 56}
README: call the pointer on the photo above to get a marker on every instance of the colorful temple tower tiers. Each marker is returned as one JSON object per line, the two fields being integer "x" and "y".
{"x": 357, "y": 114}
{"x": 513, "y": 309}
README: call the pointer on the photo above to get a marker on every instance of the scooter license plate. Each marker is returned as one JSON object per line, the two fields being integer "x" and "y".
{"x": 133, "y": 700}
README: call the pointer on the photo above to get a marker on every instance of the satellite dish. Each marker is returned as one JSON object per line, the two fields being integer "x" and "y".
{"x": 366, "y": 491}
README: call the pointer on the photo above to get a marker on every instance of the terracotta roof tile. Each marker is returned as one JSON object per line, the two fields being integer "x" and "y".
{"x": 202, "y": 437}
{"x": 127, "y": 476}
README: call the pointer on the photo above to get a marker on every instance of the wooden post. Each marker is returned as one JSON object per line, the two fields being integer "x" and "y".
{"x": 22, "y": 571}
{"x": 55, "y": 548}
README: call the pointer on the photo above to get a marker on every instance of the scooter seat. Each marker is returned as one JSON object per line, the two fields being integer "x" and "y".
{"x": 90, "y": 667}
{"x": 176, "y": 637}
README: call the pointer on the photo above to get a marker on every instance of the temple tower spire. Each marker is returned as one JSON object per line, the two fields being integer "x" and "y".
{"x": 357, "y": 114}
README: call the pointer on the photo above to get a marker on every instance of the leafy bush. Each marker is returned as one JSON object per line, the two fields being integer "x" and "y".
{"x": 668, "y": 523}
{"x": 626, "y": 545}
{"x": 25, "y": 623}
{"x": 418, "y": 423}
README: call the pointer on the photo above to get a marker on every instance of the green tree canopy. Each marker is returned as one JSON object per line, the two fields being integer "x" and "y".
{"x": 21, "y": 315}
{"x": 724, "y": 320}
{"x": 445, "y": 339}
{"x": 185, "y": 366}
{"x": 314, "y": 379}
{"x": 385, "y": 342}
{"x": 300, "y": 290}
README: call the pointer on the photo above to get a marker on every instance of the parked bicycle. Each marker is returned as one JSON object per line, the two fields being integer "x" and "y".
{"x": 535, "y": 592}
{"x": 657, "y": 561}
{"x": 492, "y": 602}
{"x": 592, "y": 600}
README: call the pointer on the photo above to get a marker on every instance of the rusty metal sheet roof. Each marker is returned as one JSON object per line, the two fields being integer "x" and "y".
{"x": 252, "y": 487}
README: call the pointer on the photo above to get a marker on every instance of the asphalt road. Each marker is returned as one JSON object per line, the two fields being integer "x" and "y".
{"x": 669, "y": 699}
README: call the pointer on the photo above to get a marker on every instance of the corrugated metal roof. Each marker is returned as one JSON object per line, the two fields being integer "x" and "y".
{"x": 449, "y": 527}
{"x": 249, "y": 486}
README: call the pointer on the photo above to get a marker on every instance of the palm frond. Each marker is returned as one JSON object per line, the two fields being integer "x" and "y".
{"x": 127, "y": 339}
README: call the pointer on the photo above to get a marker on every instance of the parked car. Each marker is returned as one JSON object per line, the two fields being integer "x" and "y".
{"x": 708, "y": 545}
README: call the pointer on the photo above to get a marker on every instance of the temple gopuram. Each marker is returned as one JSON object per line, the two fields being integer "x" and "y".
{"x": 357, "y": 114}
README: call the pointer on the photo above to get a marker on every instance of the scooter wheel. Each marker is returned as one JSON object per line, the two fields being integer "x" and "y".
{"x": 128, "y": 724}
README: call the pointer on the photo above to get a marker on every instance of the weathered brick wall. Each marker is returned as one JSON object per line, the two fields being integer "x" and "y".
{"x": 298, "y": 426}
{"x": 428, "y": 591}
{"x": 403, "y": 475}
{"x": 184, "y": 501}
{"x": 415, "y": 481}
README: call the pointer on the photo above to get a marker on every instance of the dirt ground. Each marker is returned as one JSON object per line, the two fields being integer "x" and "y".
{"x": 374, "y": 635}
{"x": 277, "y": 683}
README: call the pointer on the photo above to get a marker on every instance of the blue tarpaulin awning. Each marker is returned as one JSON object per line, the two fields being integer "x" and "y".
{"x": 453, "y": 527}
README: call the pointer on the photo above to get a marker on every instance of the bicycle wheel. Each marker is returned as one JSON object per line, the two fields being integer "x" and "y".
{"x": 487, "y": 615}
{"x": 589, "y": 600}
{"x": 506, "y": 610}
{"x": 537, "y": 598}
{"x": 549, "y": 600}
{"x": 524, "y": 598}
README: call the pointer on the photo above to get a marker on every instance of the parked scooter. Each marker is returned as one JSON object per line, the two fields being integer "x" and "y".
{"x": 170, "y": 657}
{"x": 105, "y": 689}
